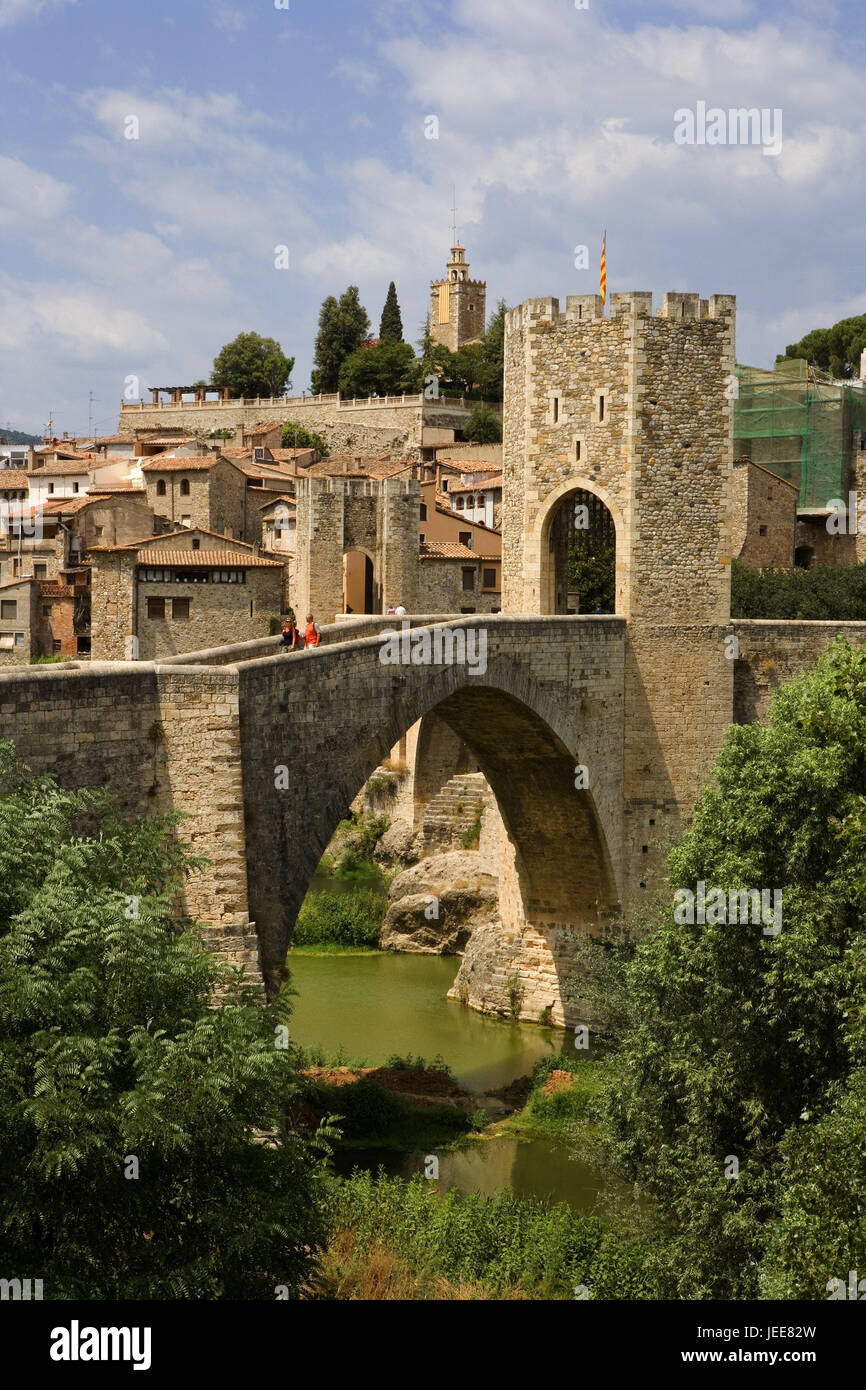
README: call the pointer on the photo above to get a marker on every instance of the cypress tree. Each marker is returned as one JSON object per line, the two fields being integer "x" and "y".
{"x": 391, "y": 323}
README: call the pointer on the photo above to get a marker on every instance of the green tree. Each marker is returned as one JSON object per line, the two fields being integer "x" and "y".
{"x": 251, "y": 365}
{"x": 492, "y": 379}
{"x": 382, "y": 369}
{"x": 391, "y": 322}
{"x": 835, "y": 350}
{"x": 483, "y": 425}
{"x": 733, "y": 1043}
{"x": 297, "y": 436}
{"x": 592, "y": 574}
{"x": 132, "y": 1106}
{"x": 343, "y": 327}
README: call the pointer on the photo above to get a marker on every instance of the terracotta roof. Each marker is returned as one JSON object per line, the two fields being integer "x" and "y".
{"x": 170, "y": 463}
{"x": 335, "y": 467}
{"x": 105, "y": 439}
{"x": 261, "y": 429}
{"x": 448, "y": 550}
{"x": 288, "y": 455}
{"x": 56, "y": 506}
{"x": 68, "y": 468}
{"x": 168, "y": 439}
{"x": 210, "y": 559}
{"x": 263, "y": 470}
{"x": 13, "y": 477}
{"x": 127, "y": 489}
{"x": 495, "y": 480}
{"x": 279, "y": 501}
{"x": 169, "y": 535}
{"x": 237, "y": 453}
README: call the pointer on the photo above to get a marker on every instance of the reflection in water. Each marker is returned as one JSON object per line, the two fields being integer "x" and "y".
{"x": 535, "y": 1168}
{"x": 377, "y": 1005}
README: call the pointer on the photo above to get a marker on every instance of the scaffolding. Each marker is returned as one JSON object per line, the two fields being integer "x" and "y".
{"x": 802, "y": 425}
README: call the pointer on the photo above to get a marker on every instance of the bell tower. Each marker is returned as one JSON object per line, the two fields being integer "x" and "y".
{"x": 457, "y": 304}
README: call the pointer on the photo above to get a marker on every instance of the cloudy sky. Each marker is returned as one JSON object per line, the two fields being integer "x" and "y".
{"x": 308, "y": 127}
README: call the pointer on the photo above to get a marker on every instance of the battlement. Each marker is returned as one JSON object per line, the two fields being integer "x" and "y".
{"x": 459, "y": 284}
{"x": 682, "y": 307}
{"x": 354, "y": 487}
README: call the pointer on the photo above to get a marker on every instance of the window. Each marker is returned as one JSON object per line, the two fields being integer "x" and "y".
{"x": 421, "y": 538}
{"x": 460, "y": 503}
{"x": 196, "y": 545}
{"x": 554, "y": 410}
{"x": 180, "y": 609}
{"x": 465, "y": 538}
{"x": 762, "y": 530}
{"x": 99, "y": 530}
{"x": 47, "y": 610}
{"x": 160, "y": 488}
{"x": 229, "y": 576}
{"x": 156, "y": 607}
{"x": 423, "y": 511}
{"x": 74, "y": 487}
{"x": 9, "y": 608}
{"x": 577, "y": 450}
{"x": 601, "y": 410}
{"x": 40, "y": 571}
{"x": 184, "y": 487}
{"x": 55, "y": 646}
{"x": 50, "y": 487}
{"x": 19, "y": 639}
{"x": 468, "y": 579}
{"x": 6, "y": 641}
{"x": 490, "y": 579}
{"x": 444, "y": 484}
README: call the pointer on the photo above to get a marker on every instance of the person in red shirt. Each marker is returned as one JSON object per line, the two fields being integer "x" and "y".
{"x": 312, "y": 634}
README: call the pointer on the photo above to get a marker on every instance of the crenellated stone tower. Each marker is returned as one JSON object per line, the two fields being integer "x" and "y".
{"x": 457, "y": 304}
{"x": 636, "y": 409}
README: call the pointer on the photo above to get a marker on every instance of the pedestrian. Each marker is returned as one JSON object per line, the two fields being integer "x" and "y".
{"x": 399, "y": 611}
{"x": 291, "y": 637}
{"x": 389, "y": 611}
{"x": 312, "y": 635}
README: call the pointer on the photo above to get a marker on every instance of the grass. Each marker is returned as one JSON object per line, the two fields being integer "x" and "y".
{"x": 388, "y": 1234}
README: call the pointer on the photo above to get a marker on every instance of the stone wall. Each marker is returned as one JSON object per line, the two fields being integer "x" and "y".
{"x": 440, "y": 586}
{"x": 764, "y": 517}
{"x": 216, "y": 499}
{"x": 157, "y": 740}
{"x": 233, "y": 612}
{"x": 772, "y": 653}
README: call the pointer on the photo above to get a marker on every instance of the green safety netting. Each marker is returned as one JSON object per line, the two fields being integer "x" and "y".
{"x": 802, "y": 425}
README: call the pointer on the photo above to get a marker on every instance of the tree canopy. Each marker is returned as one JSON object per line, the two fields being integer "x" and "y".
{"x": 835, "y": 350}
{"x": 133, "y": 1106}
{"x": 483, "y": 425}
{"x": 737, "y": 1101}
{"x": 387, "y": 368}
{"x": 252, "y": 366}
{"x": 343, "y": 327}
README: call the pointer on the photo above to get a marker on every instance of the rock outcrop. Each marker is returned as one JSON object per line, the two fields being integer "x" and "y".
{"x": 436, "y": 904}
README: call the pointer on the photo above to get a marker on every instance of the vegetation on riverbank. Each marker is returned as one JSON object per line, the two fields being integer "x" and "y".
{"x": 407, "y": 1241}
{"x": 349, "y": 915}
{"x": 820, "y": 593}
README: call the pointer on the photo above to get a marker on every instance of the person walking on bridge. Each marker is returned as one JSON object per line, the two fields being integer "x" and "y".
{"x": 291, "y": 637}
{"x": 312, "y": 635}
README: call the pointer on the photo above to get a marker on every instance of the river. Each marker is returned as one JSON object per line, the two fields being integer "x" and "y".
{"x": 375, "y": 1005}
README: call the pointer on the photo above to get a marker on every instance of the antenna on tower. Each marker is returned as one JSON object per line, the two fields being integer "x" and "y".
{"x": 90, "y": 401}
{"x": 453, "y": 215}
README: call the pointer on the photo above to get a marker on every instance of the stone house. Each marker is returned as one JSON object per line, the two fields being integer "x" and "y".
{"x": 455, "y": 579}
{"x": 478, "y": 497}
{"x": 180, "y": 592}
{"x": 19, "y": 621}
{"x": 206, "y": 491}
{"x": 439, "y": 520}
{"x": 764, "y": 516}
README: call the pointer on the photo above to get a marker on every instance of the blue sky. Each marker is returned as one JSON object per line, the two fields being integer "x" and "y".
{"x": 305, "y": 127}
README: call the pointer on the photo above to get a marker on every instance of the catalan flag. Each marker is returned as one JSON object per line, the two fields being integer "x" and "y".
{"x": 603, "y": 282}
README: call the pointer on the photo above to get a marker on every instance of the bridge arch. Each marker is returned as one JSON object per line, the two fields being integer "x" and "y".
{"x": 524, "y": 737}
{"x": 547, "y": 545}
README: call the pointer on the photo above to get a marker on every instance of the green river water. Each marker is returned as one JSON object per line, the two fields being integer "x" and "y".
{"x": 375, "y": 1005}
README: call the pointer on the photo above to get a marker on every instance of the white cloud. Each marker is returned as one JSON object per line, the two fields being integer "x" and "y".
{"x": 13, "y": 11}
{"x": 228, "y": 18}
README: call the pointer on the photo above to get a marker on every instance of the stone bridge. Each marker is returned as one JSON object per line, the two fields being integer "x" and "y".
{"x": 263, "y": 751}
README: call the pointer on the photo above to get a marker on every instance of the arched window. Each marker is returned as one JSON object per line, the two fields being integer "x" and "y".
{"x": 160, "y": 488}
{"x": 184, "y": 487}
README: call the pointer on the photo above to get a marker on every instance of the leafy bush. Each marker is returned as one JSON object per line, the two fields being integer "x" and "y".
{"x": 297, "y": 436}
{"x": 113, "y": 1049}
{"x": 735, "y": 1043}
{"x": 343, "y": 919}
{"x": 504, "y": 1242}
{"x": 823, "y": 592}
